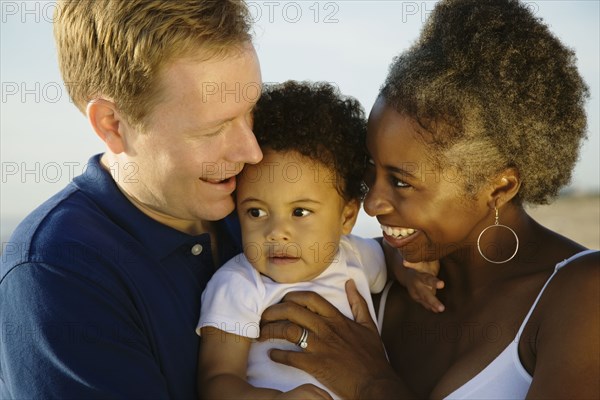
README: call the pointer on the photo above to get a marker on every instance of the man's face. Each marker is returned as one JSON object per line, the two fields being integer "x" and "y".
{"x": 197, "y": 139}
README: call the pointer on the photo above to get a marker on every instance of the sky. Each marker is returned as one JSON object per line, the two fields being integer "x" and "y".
{"x": 45, "y": 141}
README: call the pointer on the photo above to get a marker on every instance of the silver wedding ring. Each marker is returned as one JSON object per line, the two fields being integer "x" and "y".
{"x": 302, "y": 342}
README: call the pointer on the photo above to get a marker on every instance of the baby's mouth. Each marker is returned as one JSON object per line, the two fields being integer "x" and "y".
{"x": 283, "y": 259}
{"x": 397, "y": 232}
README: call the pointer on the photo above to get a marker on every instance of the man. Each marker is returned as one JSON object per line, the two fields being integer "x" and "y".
{"x": 102, "y": 298}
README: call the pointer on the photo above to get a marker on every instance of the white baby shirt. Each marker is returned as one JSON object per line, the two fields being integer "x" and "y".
{"x": 237, "y": 295}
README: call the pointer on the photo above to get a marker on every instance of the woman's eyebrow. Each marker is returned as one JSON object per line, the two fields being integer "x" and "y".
{"x": 403, "y": 171}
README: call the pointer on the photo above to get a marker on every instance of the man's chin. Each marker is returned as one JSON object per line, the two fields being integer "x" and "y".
{"x": 218, "y": 212}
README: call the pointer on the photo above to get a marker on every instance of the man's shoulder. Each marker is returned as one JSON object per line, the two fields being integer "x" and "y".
{"x": 50, "y": 233}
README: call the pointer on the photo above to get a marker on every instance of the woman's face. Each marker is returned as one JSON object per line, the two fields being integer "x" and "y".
{"x": 422, "y": 207}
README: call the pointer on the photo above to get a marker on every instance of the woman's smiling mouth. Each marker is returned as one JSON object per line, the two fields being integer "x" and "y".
{"x": 397, "y": 232}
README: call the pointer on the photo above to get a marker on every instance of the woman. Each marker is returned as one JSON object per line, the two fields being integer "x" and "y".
{"x": 483, "y": 114}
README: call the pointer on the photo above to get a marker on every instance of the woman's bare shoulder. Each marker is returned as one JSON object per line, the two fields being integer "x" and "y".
{"x": 564, "y": 331}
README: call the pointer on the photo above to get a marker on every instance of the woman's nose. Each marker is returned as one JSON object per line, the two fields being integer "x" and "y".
{"x": 377, "y": 202}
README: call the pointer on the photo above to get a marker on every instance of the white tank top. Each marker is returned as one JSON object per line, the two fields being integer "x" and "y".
{"x": 505, "y": 377}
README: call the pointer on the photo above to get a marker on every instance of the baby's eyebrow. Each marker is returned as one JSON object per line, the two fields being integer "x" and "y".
{"x": 304, "y": 201}
{"x": 250, "y": 200}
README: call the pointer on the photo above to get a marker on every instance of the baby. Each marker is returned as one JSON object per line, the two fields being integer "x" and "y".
{"x": 297, "y": 208}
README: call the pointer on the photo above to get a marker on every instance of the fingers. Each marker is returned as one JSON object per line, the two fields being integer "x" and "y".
{"x": 423, "y": 290}
{"x": 297, "y": 312}
{"x": 342, "y": 354}
{"x": 359, "y": 307}
{"x": 305, "y": 309}
{"x": 430, "y": 281}
{"x": 431, "y": 267}
{"x": 291, "y": 358}
{"x": 305, "y": 392}
{"x": 430, "y": 302}
{"x": 285, "y": 330}
{"x": 305, "y": 299}
{"x": 412, "y": 265}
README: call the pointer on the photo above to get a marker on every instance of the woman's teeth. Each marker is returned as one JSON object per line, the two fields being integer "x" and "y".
{"x": 397, "y": 232}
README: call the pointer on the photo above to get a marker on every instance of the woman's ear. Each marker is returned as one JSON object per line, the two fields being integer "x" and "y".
{"x": 349, "y": 215}
{"x": 107, "y": 123}
{"x": 505, "y": 187}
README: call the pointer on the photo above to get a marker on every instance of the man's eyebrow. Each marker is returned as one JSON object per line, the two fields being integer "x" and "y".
{"x": 214, "y": 124}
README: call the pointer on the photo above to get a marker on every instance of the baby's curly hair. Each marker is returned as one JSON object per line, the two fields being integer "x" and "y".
{"x": 496, "y": 89}
{"x": 315, "y": 120}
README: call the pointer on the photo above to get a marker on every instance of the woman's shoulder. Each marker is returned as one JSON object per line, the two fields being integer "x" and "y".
{"x": 576, "y": 278}
{"x": 565, "y": 326}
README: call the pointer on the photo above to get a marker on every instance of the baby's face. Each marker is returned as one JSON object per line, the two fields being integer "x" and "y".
{"x": 292, "y": 216}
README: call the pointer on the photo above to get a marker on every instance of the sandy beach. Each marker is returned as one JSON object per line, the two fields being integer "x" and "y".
{"x": 574, "y": 216}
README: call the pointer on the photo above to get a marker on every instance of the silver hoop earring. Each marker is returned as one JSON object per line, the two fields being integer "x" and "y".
{"x": 497, "y": 225}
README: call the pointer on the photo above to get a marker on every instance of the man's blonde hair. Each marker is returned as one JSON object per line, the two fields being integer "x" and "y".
{"x": 116, "y": 48}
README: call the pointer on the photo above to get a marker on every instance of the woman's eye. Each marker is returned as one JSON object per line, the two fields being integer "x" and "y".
{"x": 399, "y": 183}
{"x": 256, "y": 212}
{"x": 300, "y": 212}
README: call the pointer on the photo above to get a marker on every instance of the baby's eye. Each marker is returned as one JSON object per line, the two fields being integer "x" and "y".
{"x": 256, "y": 212}
{"x": 300, "y": 212}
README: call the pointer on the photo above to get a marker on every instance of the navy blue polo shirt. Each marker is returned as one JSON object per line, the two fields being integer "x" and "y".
{"x": 98, "y": 300}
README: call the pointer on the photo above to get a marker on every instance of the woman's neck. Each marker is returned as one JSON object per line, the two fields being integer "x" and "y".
{"x": 468, "y": 272}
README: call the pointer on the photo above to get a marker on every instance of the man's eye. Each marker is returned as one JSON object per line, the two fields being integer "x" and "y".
{"x": 301, "y": 212}
{"x": 256, "y": 212}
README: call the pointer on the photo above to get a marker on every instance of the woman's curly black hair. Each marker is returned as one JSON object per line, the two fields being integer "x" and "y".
{"x": 496, "y": 89}
{"x": 315, "y": 120}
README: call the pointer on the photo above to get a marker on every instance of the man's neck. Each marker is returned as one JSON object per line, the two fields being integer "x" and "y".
{"x": 190, "y": 227}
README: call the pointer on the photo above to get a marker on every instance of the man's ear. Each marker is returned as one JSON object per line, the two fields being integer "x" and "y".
{"x": 349, "y": 215}
{"x": 505, "y": 187}
{"x": 107, "y": 123}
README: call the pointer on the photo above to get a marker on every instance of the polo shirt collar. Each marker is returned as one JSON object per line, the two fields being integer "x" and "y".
{"x": 161, "y": 240}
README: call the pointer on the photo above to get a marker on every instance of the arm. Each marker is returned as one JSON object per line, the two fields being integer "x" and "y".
{"x": 345, "y": 355}
{"x": 222, "y": 371}
{"x": 420, "y": 279}
{"x": 567, "y": 348}
{"x": 222, "y": 367}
